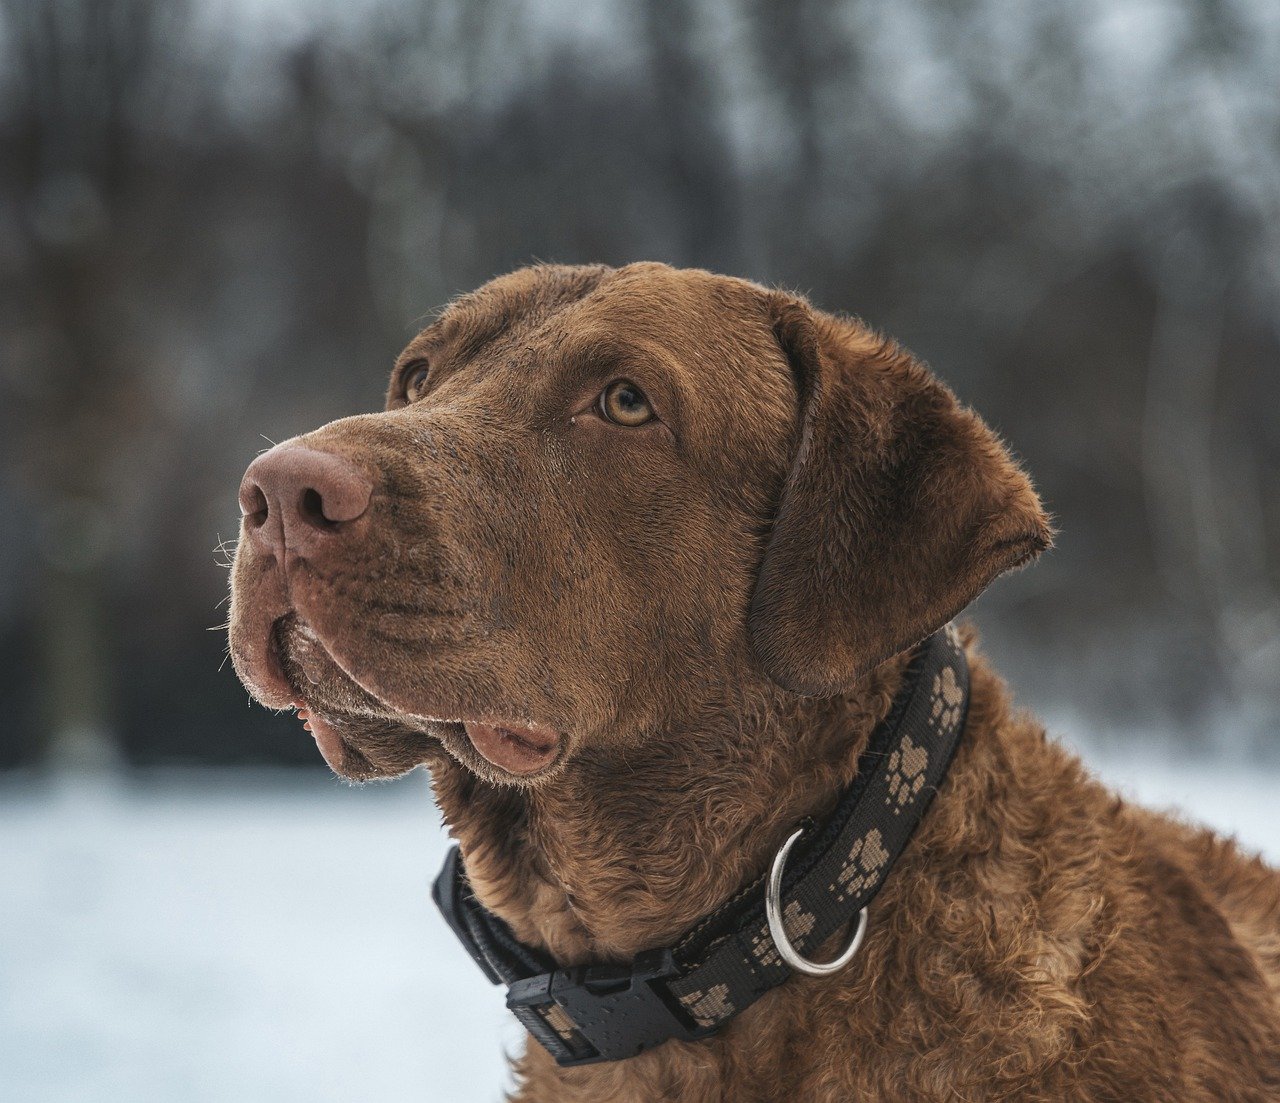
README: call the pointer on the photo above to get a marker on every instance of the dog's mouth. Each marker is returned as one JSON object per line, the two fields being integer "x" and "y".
{"x": 362, "y": 736}
{"x": 523, "y": 751}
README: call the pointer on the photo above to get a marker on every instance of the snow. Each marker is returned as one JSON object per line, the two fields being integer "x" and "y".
{"x": 255, "y": 938}
{"x": 269, "y": 936}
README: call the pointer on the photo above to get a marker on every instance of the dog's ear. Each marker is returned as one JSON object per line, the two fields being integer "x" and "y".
{"x": 900, "y": 507}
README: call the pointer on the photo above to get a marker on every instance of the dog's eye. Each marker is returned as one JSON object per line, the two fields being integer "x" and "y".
{"x": 415, "y": 382}
{"x": 623, "y": 403}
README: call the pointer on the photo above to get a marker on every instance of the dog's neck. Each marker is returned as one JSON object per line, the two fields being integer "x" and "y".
{"x": 628, "y": 849}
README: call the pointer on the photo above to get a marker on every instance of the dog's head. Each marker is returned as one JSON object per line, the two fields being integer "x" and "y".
{"x": 595, "y": 498}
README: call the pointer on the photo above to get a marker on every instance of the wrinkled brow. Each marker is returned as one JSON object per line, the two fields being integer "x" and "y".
{"x": 471, "y": 330}
{"x": 461, "y": 331}
{"x": 588, "y": 356}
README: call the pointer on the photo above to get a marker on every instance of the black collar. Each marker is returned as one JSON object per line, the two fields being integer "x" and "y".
{"x": 591, "y": 1013}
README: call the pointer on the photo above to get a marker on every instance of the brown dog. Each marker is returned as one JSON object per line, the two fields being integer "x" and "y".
{"x": 631, "y": 561}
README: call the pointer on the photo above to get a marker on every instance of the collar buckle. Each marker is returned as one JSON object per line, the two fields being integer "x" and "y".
{"x": 613, "y": 1011}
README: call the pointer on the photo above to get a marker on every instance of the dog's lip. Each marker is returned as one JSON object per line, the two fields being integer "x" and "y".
{"x": 520, "y": 749}
{"x": 340, "y": 669}
{"x": 259, "y": 664}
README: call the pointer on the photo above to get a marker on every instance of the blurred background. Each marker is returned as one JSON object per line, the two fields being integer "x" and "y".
{"x": 220, "y": 220}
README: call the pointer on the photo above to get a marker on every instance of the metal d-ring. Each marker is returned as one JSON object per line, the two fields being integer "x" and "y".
{"x": 773, "y": 912}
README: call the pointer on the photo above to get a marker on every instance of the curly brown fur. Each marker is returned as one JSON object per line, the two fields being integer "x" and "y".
{"x": 709, "y": 612}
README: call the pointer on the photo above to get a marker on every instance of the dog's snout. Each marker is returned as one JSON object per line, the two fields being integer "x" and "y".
{"x": 294, "y": 496}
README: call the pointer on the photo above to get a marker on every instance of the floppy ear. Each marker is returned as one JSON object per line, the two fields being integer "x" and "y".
{"x": 900, "y": 507}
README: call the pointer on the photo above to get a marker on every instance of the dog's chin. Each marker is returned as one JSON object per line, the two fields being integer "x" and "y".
{"x": 360, "y": 737}
{"x": 333, "y": 740}
{"x": 364, "y": 748}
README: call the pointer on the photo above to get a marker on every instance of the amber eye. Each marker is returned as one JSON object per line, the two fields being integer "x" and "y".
{"x": 415, "y": 382}
{"x": 623, "y": 403}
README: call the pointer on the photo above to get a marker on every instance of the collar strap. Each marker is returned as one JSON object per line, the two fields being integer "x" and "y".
{"x": 590, "y": 1013}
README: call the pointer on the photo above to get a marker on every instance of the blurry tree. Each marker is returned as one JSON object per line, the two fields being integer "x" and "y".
{"x": 220, "y": 223}
{"x": 690, "y": 153}
{"x": 85, "y": 74}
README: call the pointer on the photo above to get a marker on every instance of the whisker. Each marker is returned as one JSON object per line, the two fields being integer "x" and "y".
{"x": 227, "y": 549}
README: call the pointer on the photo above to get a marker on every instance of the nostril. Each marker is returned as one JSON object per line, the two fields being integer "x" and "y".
{"x": 253, "y": 505}
{"x": 311, "y": 507}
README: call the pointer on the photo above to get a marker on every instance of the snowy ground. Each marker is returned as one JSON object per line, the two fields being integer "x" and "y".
{"x": 269, "y": 937}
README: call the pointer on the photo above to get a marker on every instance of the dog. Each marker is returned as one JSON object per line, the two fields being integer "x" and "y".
{"x": 635, "y": 561}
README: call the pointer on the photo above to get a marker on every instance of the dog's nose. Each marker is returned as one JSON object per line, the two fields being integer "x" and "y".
{"x": 294, "y": 498}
